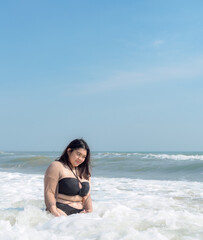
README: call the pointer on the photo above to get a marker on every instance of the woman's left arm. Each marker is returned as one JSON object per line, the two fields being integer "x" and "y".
{"x": 88, "y": 204}
{"x": 88, "y": 201}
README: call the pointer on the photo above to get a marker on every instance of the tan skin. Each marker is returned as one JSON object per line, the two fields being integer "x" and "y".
{"x": 76, "y": 157}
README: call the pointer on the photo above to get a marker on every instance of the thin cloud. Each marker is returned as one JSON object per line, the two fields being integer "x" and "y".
{"x": 158, "y": 43}
{"x": 123, "y": 80}
{"x": 113, "y": 83}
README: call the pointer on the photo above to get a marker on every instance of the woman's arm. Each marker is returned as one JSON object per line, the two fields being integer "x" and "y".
{"x": 88, "y": 205}
{"x": 50, "y": 183}
{"x": 88, "y": 201}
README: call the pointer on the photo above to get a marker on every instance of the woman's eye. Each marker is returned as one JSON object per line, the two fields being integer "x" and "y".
{"x": 80, "y": 155}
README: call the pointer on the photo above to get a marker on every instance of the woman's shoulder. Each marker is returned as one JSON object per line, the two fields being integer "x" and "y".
{"x": 56, "y": 163}
{"x": 55, "y": 166}
{"x": 54, "y": 169}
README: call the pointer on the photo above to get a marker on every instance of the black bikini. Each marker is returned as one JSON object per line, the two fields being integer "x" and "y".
{"x": 68, "y": 209}
{"x": 71, "y": 187}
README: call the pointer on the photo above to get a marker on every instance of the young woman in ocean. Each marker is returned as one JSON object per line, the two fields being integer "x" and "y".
{"x": 67, "y": 181}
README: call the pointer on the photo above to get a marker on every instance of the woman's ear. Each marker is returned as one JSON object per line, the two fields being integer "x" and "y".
{"x": 69, "y": 151}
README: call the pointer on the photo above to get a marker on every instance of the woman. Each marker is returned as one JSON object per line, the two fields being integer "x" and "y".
{"x": 67, "y": 181}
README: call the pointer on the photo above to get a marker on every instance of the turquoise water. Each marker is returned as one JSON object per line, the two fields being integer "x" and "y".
{"x": 136, "y": 165}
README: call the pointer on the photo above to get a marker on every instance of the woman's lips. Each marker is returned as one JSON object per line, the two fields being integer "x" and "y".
{"x": 77, "y": 162}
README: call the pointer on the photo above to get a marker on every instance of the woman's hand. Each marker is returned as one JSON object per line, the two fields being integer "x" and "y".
{"x": 56, "y": 211}
{"x": 86, "y": 211}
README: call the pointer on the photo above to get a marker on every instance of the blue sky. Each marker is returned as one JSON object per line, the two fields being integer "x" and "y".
{"x": 124, "y": 75}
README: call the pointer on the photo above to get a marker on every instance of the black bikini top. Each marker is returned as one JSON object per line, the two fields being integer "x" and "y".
{"x": 70, "y": 186}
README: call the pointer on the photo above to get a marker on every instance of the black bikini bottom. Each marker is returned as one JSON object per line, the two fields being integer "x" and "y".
{"x": 68, "y": 209}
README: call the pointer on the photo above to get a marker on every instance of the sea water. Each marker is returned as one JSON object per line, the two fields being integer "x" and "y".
{"x": 142, "y": 196}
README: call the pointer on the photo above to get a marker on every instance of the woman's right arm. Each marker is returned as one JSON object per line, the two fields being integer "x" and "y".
{"x": 51, "y": 179}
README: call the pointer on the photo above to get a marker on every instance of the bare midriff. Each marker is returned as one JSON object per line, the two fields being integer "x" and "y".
{"x": 73, "y": 201}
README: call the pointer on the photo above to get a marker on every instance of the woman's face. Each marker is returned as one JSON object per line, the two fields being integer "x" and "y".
{"x": 77, "y": 156}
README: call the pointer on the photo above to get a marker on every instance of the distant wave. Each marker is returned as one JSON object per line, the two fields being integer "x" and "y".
{"x": 6, "y": 153}
{"x": 174, "y": 156}
{"x": 31, "y": 160}
{"x": 137, "y": 165}
{"x": 137, "y": 155}
{"x": 25, "y": 163}
{"x": 100, "y": 155}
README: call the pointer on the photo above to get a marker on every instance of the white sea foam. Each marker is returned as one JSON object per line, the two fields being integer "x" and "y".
{"x": 123, "y": 209}
{"x": 174, "y": 156}
{"x": 149, "y": 156}
{"x": 108, "y": 155}
{"x": 6, "y": 153}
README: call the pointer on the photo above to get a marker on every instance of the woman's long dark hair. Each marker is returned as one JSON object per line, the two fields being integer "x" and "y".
{"x": 83, "y": 168}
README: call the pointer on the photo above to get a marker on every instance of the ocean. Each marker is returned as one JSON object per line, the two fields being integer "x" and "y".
{"x": 136, "y": 196}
